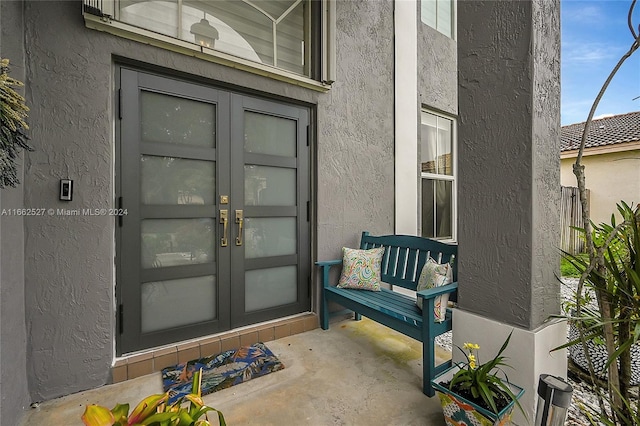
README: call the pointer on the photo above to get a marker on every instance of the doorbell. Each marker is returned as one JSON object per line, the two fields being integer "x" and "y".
{"x": 66, "y": 189}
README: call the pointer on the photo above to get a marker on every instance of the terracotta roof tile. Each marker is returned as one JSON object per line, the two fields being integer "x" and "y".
{"x": 604, "y": 131}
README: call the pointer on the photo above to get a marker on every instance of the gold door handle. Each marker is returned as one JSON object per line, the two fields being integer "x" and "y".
{"x": 240, "y": 222}
{"x": 224, "y": 221}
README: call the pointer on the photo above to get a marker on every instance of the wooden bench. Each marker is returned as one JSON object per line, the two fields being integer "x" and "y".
{"x": 404, "y": 257}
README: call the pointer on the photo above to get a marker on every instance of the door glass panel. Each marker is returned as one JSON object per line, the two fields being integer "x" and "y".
{"x": 174, "y": 120}
{"x": 267, "y": 288}
{"x": 173, "y": 303}
{"x": 269, "y": 237}
{"x": 170, "y": 181}
{"x": 171, "y": 242}
{"x": 266, "y": 134}
{"x": 269, "y": 186}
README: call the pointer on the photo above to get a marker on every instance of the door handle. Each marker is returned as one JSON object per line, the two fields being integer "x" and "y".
{"x": 240, "y": 222}
{"x": 225, "y": 222}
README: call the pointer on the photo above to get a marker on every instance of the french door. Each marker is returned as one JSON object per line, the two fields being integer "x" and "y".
{"x": 216, "y": 189}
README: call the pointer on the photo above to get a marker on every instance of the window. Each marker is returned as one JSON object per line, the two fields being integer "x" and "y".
{"x": 438, "y": 14}
{"x": 438, "y": 164}
{"x": 270, "y": 32}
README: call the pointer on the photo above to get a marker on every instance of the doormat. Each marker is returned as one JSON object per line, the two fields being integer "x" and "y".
{"x": 220, "y": 371}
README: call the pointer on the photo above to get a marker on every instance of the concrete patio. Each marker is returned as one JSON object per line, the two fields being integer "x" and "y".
{"x": 357, "y": 373}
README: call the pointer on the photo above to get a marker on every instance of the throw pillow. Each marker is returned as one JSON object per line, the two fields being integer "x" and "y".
{"x": 361, "y": 269}
{"x": 435, "y": 274}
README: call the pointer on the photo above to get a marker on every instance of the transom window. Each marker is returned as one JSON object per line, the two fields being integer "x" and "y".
{"x": 438, "y": 14}
{"x": 270, "y": 32}
{"x": 438, "y": 184}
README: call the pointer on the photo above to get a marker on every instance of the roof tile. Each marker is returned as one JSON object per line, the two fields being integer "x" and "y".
{"x": 604, "y": 131}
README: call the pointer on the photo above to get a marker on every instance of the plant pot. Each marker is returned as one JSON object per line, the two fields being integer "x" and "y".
{"x": 460, "y": 411}
{"x": 599, "y": 356}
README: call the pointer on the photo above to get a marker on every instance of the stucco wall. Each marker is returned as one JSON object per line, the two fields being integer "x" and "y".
{"x": 69, "y": 260}
{"x": 611, "y": 178}
{"x": 437, "y": 69}
{"x": 355, "y": 131}
{"x": 14, "y": 396}
{"x": 508, "y": 57}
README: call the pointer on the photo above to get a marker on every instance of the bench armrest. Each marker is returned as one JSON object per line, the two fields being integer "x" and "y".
{"x": 434, "y": 292}
{"x": 323, "y": 263}
{"x": 325, "y": 266}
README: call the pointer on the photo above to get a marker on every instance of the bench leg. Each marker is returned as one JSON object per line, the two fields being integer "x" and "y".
{"x": 428, "y": 366}
{"x": 357, "y": 316}
{"x": 324, "y": 313}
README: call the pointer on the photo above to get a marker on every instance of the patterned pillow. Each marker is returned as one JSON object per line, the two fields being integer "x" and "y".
{"x": 435, "y": 274}
{"x": 361, "y": 269}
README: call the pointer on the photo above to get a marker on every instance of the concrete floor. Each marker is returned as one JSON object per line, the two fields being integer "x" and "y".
{"x": 357, "y": 373}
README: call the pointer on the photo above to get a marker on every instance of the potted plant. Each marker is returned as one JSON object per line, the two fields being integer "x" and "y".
{"x": 154, "y": 411}
{"x": 477, "y": 394}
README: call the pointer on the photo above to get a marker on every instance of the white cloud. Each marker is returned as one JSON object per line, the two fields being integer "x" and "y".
{"x": 588, "y": 53}
{"x": 608, "y": 114}
{"x": 587, "y": 14}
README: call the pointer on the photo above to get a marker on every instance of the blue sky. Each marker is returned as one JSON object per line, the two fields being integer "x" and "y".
{"x": 595, "y": 35}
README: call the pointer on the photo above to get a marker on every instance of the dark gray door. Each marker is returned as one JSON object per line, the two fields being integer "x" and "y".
{"x": 216, "y": 187}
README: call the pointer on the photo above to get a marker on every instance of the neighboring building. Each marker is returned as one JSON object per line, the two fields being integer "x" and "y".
{"x": 611, "y": 159}
{"x": 240, "y": 142}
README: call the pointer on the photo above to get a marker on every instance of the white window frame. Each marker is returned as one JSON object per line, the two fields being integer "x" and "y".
{"x": 453, "y": 178}
{"x": 454, "y": 20}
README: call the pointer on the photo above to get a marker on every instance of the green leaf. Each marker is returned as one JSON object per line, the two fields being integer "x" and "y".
{"x": 120, "y": 411}
{"x": 159, "y": 417}
{"x": 185, "y": 418}
{"x": 147, "y": 407}
{"x": 577, "y": 341}
{"x": 487, "y": 396}
{"x": 626, "y": 345}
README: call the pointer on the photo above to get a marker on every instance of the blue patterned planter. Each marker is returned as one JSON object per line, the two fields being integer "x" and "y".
{"x": 460, "y": 411}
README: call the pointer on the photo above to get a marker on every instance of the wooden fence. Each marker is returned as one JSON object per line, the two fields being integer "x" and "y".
{"x": 571, "y": 215}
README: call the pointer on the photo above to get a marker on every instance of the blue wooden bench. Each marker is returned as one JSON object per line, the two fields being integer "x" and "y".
{"x": 402, "y": 263}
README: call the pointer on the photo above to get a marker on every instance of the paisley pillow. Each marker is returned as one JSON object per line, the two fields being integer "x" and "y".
{"x": 435, "y": 274}
{"x": 361, "y": 269}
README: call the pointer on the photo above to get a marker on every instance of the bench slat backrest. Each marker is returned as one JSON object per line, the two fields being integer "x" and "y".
{"x": 405, "y": 255}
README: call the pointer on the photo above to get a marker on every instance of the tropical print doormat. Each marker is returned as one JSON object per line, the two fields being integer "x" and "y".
{"x": 220, "y": 371}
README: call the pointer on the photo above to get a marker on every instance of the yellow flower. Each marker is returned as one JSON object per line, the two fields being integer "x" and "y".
{"x": 470, "y": 346}
{"x": 472, "y": 361}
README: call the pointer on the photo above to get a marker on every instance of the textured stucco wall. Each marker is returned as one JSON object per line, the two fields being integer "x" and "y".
{"x": 69, "y": 260}
{"x": 610, "y": 178}
{"x": 14, "y": 396}
{"x": 437, "y": 69}
{"x": 355, "y": 131}
{"x": 508, "y": 58}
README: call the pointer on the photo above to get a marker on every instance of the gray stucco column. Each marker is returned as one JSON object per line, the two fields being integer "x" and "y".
{"x": 509, "y": 186}
{"x": 509, "y": 159}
